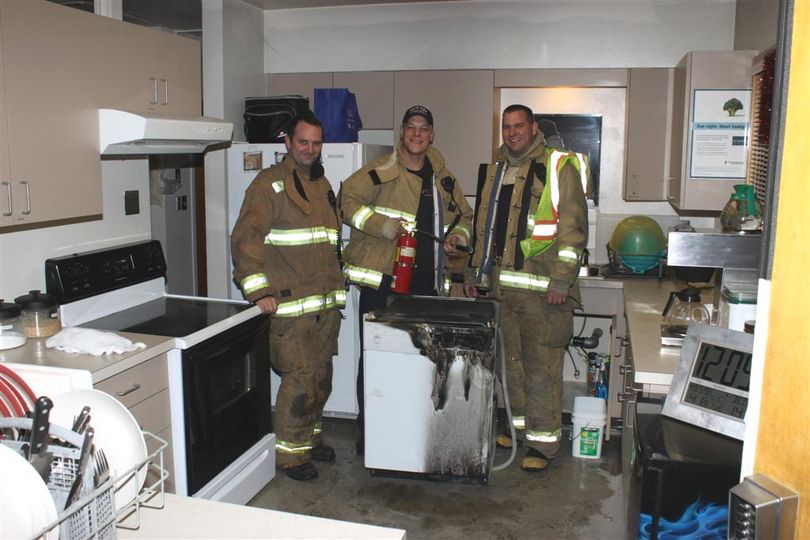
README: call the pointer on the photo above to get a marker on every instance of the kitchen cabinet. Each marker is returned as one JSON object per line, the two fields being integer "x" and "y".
{"x": 144, "y": 390}
{"x": 647, "y": 121}
{"x": 701, "y": 70}
{"x": 375, "y": 96}
{"x": 51, "y": 170}
{"x": 161, "y": 72}
{"x": 605, "y": 298}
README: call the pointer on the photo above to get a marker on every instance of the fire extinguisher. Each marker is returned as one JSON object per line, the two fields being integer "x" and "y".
{"x": 403, "y": 265}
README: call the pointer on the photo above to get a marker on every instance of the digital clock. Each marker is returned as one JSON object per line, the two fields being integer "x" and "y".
{"x": 710, "y": 385}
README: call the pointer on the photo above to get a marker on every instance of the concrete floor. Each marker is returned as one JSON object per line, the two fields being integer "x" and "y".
{"x": 575, "y": 498}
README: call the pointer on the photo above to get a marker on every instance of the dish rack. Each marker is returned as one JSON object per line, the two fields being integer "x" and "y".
{"x": 94, "y": 514}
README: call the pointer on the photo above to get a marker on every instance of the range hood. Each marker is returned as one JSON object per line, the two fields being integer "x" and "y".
{"x": 124, "y": 132}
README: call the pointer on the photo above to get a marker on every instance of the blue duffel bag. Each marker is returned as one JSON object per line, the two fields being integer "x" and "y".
{"x": 337, "y": 109}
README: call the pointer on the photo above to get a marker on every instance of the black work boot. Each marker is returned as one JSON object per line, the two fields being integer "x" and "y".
{"x": 323, "y": 453}
{"x": 305, "y": 471}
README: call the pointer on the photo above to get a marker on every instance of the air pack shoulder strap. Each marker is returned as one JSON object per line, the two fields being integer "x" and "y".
{"x": 482, "y": 178}
{"x": 375, "y": 178}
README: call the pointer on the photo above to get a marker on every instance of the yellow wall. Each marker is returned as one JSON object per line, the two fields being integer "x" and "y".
{"x": 783, "y": 447}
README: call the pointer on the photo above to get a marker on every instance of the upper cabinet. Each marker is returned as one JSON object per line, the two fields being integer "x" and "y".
{"x": 154, "y": 71}
{"x": 647, "y": 122}
{"x": 52, "y": 170}
{"x": 58, "y": 66}
{"x": 710, "y": 128}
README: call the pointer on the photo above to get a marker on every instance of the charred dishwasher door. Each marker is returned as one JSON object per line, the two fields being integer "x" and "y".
{"x": 429, "y": 367}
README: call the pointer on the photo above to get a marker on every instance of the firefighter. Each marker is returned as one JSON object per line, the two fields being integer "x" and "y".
{"x": 531, "y": 225}
{"x": 285, "y": 247}
{"x": 409, "y": 189}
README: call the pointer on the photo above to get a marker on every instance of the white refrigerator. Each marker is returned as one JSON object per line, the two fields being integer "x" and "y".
{"x": 340, "y": 160}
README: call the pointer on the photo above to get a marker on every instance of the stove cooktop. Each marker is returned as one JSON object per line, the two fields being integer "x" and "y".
{"x": 168, "y": 316}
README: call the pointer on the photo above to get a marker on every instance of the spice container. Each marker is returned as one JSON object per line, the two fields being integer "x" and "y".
{"x": 12, "y": 327}
{"x": 40, "y": 312}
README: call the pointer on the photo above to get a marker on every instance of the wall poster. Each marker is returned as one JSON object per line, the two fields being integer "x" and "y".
{"x": 721, "y": 121}
{"x": 580, "y": 133}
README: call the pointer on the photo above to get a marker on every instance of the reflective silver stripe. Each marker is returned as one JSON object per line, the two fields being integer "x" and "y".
{"x": 524, "y": 280}
{"x": 544, "y": 436}
{"x": 312, "y": 304}
{"x": 546, "y": 230}
{"x": 569, "y": 254}
{"x": 519, "y": 422}
{"x": 278, "y": 186}
{"x": 366, "y": 276}
{"x": 292, "y": 448}
{"x": 361, "y": 216}
{"x": 301, "y": 237}
{"x": 254, "y": 282}
{"x": 318, "y": 429}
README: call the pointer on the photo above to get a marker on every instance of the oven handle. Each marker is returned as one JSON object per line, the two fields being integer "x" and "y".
{"x": 135, "y": 386}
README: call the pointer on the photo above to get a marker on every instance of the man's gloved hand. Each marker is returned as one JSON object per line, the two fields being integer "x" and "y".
{"x": 268, "y": 305}
{"x": 392, "y": 228}
{"x": 451, "y": 243}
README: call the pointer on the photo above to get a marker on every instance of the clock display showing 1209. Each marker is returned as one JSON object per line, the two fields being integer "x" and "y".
{"x": 726, "y": 373}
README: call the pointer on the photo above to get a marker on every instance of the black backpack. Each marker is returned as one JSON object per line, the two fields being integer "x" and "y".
{"x": 267, "y": 118}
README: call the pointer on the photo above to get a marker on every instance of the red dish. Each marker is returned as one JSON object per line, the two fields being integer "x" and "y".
{"x": 10, "y": 397}
{"x": 27, "y": 396}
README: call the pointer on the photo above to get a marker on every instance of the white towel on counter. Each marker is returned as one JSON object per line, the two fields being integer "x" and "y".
{"x": 89, "y": 341}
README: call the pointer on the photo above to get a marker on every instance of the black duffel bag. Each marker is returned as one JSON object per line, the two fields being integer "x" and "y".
{"x": 267, "y": 118}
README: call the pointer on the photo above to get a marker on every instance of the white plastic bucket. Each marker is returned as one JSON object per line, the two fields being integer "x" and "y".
{"x": 589, "y": 420}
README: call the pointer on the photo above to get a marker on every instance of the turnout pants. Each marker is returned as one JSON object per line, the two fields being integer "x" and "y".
{"x": 535, "y": 334}
{"x": 301, "y": 351}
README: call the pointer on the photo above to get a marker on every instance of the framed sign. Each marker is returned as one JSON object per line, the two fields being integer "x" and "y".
{"x": 719, "y": 135}
{"x": 580, "y": 133}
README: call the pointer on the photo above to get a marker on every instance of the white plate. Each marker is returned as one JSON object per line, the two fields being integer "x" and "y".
{"x": 116, "y": 431}
{"x": 25, "y": 501}
{"x": 52, "y": 381}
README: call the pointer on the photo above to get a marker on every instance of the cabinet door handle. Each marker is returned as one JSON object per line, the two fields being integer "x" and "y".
{"x": 27, "y": 196}
{"x": 635, "y": 185}
{"x": 624, "y": 368}
{"x": 7, "y": 185}
{"x": 155, "y": 99}
{"x": 165, "y": 91}
{"x": 135, "y": 386}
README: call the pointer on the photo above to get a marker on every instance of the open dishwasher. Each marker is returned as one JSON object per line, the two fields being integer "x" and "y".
{"x": 429, "y": 365}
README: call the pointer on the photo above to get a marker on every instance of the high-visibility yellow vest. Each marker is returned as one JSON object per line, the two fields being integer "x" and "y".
{"x": 542, "y": 227}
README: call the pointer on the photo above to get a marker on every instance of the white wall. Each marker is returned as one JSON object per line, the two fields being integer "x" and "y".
{"x": 487, "y": 34}
{"x": 233, "y": 54}
{"x": 23, "y": 254}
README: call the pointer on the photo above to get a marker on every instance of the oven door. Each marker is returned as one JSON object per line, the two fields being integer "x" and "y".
{"x": 226, "y": 398}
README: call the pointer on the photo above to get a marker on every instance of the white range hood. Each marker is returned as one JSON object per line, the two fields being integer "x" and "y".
{"x": 124, "y": 132}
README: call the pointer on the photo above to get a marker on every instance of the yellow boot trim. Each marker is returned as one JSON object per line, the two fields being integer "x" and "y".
{"x": 503, "y": 441}
{"x": 534, "y": 462}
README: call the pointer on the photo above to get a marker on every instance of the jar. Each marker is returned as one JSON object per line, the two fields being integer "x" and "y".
{"x": 685, "y": 308}
{"x": 40, "y": 312}
{"x": 12, "y": 327}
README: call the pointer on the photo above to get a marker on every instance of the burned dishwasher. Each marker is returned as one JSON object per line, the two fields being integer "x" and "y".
{"x": 429, "y": 367}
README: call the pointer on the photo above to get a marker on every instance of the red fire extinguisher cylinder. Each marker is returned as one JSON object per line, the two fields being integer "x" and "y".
{"x": 403, "y": 265}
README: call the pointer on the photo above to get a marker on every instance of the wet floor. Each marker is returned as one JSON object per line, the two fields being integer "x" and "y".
{"x": 574, "y": 498}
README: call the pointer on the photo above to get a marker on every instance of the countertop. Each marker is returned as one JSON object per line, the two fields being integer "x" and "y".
{"x": 34, "y": 352}
{"x": 185, "y": 517}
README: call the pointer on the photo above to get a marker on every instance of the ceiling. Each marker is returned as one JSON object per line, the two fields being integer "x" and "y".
{"x": 185, "y": 16}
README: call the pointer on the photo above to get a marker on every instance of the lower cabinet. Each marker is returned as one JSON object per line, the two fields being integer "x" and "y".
{"x": 144, "y": 390}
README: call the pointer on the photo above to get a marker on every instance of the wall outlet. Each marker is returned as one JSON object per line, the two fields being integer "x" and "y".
{"x": 132, "y": 202}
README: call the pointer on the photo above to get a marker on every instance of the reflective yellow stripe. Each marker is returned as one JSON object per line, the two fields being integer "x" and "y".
{"x": 254, "y": 282}
{"x": 365, "y": 276}
{"x": 291, "y": 448}
{"x": 569, "y": 254}
{"x": 361, "y": 216}
{"x": 519, "y": 422}
{"x": 394, "y": 213}
{"x": 301, "y": 237}
{"x": 524, "y": 280}
{"x": 318, "y": 429}
{"x": 544, "y": 436}
{"x": 459, "y": 229}
{"x": 446, "y": 286}
{"x": 278, "y": 186}
{"x": 312, "y": 304}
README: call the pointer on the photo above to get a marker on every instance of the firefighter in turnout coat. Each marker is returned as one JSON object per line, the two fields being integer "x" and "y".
{"x": 285, "y": 247}
{"x": 531, "y": 225}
